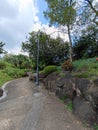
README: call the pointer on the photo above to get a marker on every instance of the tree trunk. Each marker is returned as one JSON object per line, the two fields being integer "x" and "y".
{"x": 70, "y": 44}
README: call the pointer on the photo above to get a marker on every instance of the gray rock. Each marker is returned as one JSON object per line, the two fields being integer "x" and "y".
{"x": 32, "y": 77}
{"x": 96, "y": 82}
{"x": 1, "y": 92}
{"x": 84, "y": 110}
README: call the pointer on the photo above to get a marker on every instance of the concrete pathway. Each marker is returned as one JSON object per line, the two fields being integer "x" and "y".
{"x": 28, "y": 107}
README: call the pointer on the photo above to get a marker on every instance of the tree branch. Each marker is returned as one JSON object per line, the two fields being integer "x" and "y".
{"x": 92, "y": 7}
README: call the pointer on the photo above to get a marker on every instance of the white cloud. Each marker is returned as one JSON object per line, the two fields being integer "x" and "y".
{"x": 53, "y": 31}
{"x": 16, "y": 21}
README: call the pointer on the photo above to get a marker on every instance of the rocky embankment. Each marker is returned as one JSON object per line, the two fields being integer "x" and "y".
{"x": 83, "y": 94}
{"x": 1, "y": 92}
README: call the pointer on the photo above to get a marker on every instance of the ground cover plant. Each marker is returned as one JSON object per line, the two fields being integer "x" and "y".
{"x": 86, "y": 68}
{"x": 9, "y": 71}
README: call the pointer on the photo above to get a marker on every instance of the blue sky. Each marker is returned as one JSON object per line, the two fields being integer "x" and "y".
{"x": 18, "y": 18}
{"x": 42, "y": 5}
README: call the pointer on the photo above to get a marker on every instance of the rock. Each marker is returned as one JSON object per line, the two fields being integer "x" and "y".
{"x": 84, "y": 110}
{"x": 83, "y": 85}
{"x": 82, "y": 92}
{"x": 68, "y": 89}
{"x": 32, "y": 77}
{"x": 1, "y": 92}
{"x": 67, "y": 74}
{"x": 60, "y": 82}
{"x": 96, "y": 82}
{"x": 59, "y": 93}
{"x": 42, "y": 75}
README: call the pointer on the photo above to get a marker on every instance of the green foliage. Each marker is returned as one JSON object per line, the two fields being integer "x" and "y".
{"x": 4, "y": 78}
{"x": 61, "y": 12}
{"x": 86, "y": 68}
{"x": 95, "y": 126}
{"x": 67, "y": 65}
{"x": 2, "y": 65}
{"x": 49, "y": 69}
{"x": 51, "y": 51}
{"x": 70, "y": 105}
{"x": 64, "y": 97}
{"x": 9, "y": 71}
{"x": 14, "y": 72}
{"x": 19, "y": 61}
{"x": 86, "y": 45}
{"x": 1, "y": 48}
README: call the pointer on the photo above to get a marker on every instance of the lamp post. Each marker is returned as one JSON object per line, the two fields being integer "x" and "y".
{"x": 37, "y": 67}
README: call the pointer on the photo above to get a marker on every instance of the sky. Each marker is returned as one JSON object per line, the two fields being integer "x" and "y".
{"x": 18, "y": 18}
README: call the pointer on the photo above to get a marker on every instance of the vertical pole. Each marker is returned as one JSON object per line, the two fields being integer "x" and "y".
{"x": 37, "y": 70}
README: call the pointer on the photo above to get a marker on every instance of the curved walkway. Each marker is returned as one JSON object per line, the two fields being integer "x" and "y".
{"x": 28, "y": 107}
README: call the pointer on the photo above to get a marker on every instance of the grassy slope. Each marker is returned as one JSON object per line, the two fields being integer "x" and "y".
{"x": 4, "y": 78}
{"x": 86, "y": 68}
{"x": 9, "y": 72}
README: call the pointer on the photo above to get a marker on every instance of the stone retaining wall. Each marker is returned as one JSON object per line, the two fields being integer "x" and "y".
{"x": 82, "y": 92}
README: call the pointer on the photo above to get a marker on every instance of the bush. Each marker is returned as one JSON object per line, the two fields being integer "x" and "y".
{"x": 14, "y": 72}
{"x": 2, "y": 65}
{"x": 67, "y": 65}
{"x": 49, "y": 69}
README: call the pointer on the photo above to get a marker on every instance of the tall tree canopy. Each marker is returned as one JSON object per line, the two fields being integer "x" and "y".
{"x": 62, "y": 12}
{"x": 51, "y": 51}
{"x": 87, "y": 44}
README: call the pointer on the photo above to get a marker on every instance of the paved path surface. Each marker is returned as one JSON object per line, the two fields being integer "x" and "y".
{"x": 27, "y": 107}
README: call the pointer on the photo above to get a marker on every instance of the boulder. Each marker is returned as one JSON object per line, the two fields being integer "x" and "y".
{"x": 83, "y": 86}
{"x": 84, "y": 110}
{"x": 32, "y": 77}
{"x": 82, "y": 92}
{"x": 1, "y": 92}
{"x": 95, "y": 82}
{"x": 42, "y": 75}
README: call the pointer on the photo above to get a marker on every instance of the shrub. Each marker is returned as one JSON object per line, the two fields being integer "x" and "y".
{"x": 2, "y": 65}
{"x": 67, "y": 65}
{"x": 14, "y": 72}
{"x": 49, "y": 69}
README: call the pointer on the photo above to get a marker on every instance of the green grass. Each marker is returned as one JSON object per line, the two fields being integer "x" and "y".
{"x": 9, "y": 72}
{"x": 64, "y": 97}
{"x": 70, "y": 105}
{"x": 4, "y": 78}
{"x": 86, "y": 68}
{"x": 95, "y": 127}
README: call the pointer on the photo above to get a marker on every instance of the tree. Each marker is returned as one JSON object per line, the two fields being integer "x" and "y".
{"x": 1, "y": 48}
{"x": 51, "y": 51}
{"x": 90, "y": 11}
{"x": 20, "y": 61}
{"x": 87, "y": 44}
{"x": 62, "y": 12}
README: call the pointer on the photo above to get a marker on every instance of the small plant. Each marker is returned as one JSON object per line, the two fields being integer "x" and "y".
{"x": 70, "y": 105}
{"x": 64, "y": 97}
{"x": 95, "y": 126}
{"x": 67, "y": 65}
{"x": 49, "y": 69}
{"x": 81, "y": 75}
